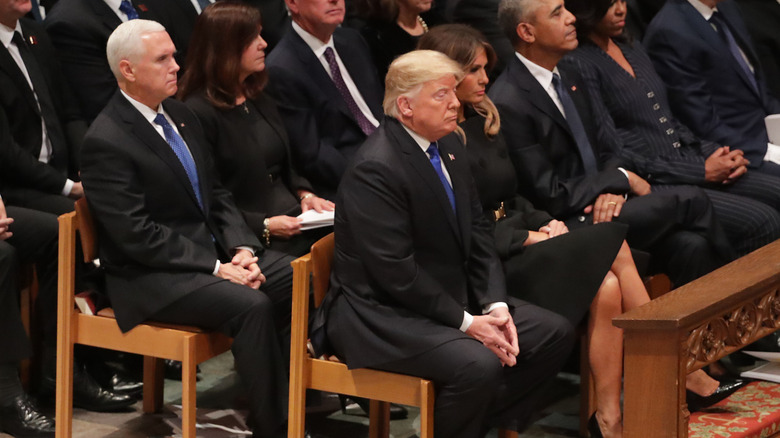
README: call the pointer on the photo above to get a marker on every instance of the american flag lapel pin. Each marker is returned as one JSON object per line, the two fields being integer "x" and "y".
{"x": 32, "y": 40}
{"x": 452, "y": 157}
{"x": 573, "y": 88}
{"x": 143, "y": 7}
{"x": 181, "y": 125}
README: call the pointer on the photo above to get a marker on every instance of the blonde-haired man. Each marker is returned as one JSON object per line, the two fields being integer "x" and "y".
{"x": 417, "y": 286}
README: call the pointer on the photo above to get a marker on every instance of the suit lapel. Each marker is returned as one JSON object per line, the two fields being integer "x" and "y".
{"x": 149, "y": 136}
{"x": 422, "y": 165}
{"x": 106, "y": 16}
{"x": 537, "y": 95}
{"x": 713, "y": 39}
{"x": 11, "y": 68}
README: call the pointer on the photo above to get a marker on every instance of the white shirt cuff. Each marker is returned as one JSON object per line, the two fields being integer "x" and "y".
{"x": 493, "y": 306}
{"x": 772, "y": 153}
{"x": 216, "y": 268}
{"x": 248, "y": 248}
{"x": 467, "y": 320}
{"x": 67, "y": 188}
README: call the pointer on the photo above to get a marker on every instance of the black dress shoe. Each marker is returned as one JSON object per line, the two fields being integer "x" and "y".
{"x": 22, "y": 419}
{"x": 397, "y": 412}
{"x": 115, "y": 380}
{"x": 698, "y": 402}
{"x": 88, "y": 394}
{"x": 173, "y": 370}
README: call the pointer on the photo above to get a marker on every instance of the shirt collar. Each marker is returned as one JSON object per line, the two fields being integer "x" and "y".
{"x": 148, "y": 113}
{"x": 419, "y": 139}
{"x": 703, "y": 9}
{"x": 542, "y": 75}
{"x": 7, "y": 34}
{"x": 317, "y": 46}
{"x": 114, "y": 5}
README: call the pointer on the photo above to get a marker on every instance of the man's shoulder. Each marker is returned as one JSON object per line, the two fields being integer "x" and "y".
{"x": 71, "y": 12}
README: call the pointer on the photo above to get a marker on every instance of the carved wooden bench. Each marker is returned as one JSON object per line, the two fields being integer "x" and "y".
{"x": 689, "y": 328}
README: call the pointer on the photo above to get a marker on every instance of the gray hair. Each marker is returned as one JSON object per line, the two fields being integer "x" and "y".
{"x": 513, "y": 12}
{"x": 410, "y": 71}
{"x": 125, "y": 42}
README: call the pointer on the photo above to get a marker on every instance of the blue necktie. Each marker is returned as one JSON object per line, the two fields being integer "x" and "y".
{"x": 181, "y": 151}
{"x": 128, "y": 9}
{"x": 36, "y": 11}
{"x": 728, "y": 37}
{"x": 433, "y": 152}
{"x": 203, "y": 4}
{"x": 575, "y": 124}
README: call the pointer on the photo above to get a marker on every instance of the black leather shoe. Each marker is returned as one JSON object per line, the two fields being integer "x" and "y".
{"x": 397, "y": 412}
{"x": 22, "y": 419}
{"x": 173, "y": 370}
{"x": 115, "y": 380}
{"x": 697, "y": 402}
{"x": 87, "y": 393}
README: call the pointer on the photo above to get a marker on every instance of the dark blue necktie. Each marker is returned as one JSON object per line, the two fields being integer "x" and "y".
{"x": 36, "y": 11}
{"x": 128, "y": 9}
{"x": 577, "y": 129}
{"x": 433, "y": 152}
{"x": 728, "y": 38}
{"x": 203, "y": 4}
{"x": 181, "y": 151}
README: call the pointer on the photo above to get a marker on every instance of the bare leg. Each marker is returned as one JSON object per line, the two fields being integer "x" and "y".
{"x": 606, "y": 355}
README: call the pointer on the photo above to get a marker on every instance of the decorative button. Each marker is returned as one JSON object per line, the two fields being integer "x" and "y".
{"x": 669, "y": 131}
{"x": 662, "y": 120}
{"x": 650, "y": 95}
{"x": 656, "y": 107}
{"x": 676, "y": 145}
{"x": 270, "y": 178}
{"x": 581, "y": 218}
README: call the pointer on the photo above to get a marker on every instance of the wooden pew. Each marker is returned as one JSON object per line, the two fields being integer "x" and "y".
{"x": 691, "y": 327}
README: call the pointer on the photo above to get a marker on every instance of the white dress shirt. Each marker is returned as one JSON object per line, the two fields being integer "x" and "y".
{"x": 318, "y": 47}
{"x": 114, "y": 5}
{"x": 6, "y": 37}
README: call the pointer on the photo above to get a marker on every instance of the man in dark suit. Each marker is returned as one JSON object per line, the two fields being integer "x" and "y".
{"x": 702, "y": 51}
{"x": 417, "y": 287}
{"x": 551, "y": 138}
{"x": 327, "y": 89}
{"x": 45, "y": 124}
{"x": 482, "y": 15}
{"x": 182, "y": 254}
{"x": 79, "y": 30}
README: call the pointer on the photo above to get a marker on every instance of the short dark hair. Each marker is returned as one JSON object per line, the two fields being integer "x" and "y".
{"x": 588, "y": 14}
{"x": 222, "y": 32}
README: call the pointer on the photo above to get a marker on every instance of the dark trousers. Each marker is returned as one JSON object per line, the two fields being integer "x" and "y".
{"x": 474, "y": 392}
{"x": 34, "y": 240}
{"x": 769, "y": 168}
{"x": 55, "y": 204}
{"x": 254, "y": 320}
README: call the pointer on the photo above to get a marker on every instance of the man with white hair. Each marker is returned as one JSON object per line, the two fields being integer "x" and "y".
{"x": 173, "y": 245}
{"x": 417, "y": 287}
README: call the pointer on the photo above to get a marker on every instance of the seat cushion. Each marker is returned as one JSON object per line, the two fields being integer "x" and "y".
{"x": 753, "y": 411}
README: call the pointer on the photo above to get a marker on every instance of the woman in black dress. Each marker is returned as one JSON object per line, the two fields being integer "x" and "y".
{"x": 572, "y": 273}
{"x": 223, "y": 85}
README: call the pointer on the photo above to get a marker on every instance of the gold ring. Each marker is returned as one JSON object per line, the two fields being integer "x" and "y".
{"x": 611, "y": 203}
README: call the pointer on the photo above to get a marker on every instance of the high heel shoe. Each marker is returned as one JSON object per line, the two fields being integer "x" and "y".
{"x": 698, "y": 402}
{"x": 593, "y": 427}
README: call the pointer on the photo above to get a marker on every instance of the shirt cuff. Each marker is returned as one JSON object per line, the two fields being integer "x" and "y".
{"x": 493, "y": 306}
{"x": 67, "y": 188}
{"x": 216, "y": 268}
{"x": 772, "y": 153}
{"x": 248, "y": 248}
{"x": 467, "y": 320}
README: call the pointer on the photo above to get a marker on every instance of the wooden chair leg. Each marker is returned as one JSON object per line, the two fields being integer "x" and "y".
{"x": 426, "y": 409}
{"x": 154, "y": 373}
{"x": 587, "y": 388}
{"x": 64, "y": 391}
{"x": 379, "y": 419}
{"x": 296, "y": 412}
{"x": 188, "y": 391}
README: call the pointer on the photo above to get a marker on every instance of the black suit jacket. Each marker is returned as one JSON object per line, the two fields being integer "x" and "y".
{"x": 80, "y": 31}
{"x": 324, "y": 133}
{"x": 708, "y": 90}
{"x": 483, "y": 16}
{"x": 550, "y": 172}
{"x": 65, "y": 131}
{"x": 156, "y": 243}
{"x": 406, "y": 266}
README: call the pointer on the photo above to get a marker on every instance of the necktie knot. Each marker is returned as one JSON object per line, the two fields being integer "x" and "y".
{"x": 160, "y": 120}
{"x": 433, "y": 151}
{"x": 127, "y": 8}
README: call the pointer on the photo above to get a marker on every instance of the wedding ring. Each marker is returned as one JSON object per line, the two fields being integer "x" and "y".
{"x": 611, "y": 203}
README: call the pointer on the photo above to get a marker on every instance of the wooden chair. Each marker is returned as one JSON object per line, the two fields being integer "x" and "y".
{"x": 382, "y": 388}
{"x": 155, "y": 341}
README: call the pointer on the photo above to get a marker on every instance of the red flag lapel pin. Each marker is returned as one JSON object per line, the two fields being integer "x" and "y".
{"x": 452, "y": 157}
{"x": 32, "y": 40}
